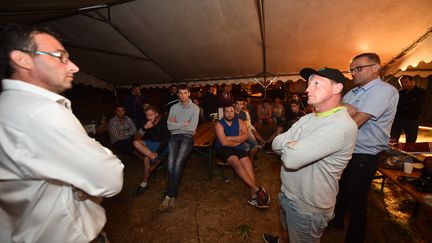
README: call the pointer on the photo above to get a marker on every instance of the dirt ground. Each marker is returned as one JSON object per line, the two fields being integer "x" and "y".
{"x": 211, "y": 210}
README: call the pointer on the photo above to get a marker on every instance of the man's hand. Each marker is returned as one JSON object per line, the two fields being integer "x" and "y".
{"x": 153, "y": 155}
{"x": 351, "y": 109}
{"x": 80, "y": 195}
{"x": 148, "y": 125}
{"x": 173, "y": 119}
{"x": 292, "y": 144}
{"x": 187, "y": 123}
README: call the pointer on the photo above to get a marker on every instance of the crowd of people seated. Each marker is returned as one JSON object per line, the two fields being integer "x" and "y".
{"x": 145, "y": 132}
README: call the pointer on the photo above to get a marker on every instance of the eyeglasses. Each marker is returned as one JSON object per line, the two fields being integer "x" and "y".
{"x": 62, "y": 55}
{"x": 360, "y": 68}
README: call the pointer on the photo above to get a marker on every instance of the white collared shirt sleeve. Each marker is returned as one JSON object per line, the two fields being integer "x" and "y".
{"x": 60, "y": 149}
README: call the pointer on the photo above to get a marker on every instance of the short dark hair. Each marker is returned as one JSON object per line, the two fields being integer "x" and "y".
{"x": 227, "y": 106}
{"x": 409, "y": 77}
{"x": 153, "y": 108}
{"x": 239, "y": 98}
{"x": 294, "y": 102}
{"x": 136, "y": 85}
{"x": 371, "y": 56}
{"x": 183, "y": 87}
{"x": 18, "y": 37}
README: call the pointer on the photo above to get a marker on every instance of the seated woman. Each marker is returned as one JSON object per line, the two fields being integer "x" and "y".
{"x": 152, "y": 143}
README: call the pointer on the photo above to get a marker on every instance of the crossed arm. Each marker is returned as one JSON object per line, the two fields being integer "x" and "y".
{"x": 359, "y": 117}
{"x": 231, "y": 141}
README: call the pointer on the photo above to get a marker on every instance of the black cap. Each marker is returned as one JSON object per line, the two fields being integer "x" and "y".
{"x": 329, "y": 73}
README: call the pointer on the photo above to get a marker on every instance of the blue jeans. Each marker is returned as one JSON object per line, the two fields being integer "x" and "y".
{"x": 301, "y": 226}
{"x": 179, "y": 147}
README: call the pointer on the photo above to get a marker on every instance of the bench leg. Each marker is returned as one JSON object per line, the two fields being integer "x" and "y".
{"x": 382, "y": 183}
{"x": 210, "y": 163}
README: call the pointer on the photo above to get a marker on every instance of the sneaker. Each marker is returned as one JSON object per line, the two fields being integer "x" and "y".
{"x": 268, "y": 238}
{"x": 140, "y": 190}
{"x": 254, "y": 202}
{"x": 263, "y": 197}
{"x": 164, "y": 205}
{"x": 258, "y": 146}
{"x": 171, "y": 203}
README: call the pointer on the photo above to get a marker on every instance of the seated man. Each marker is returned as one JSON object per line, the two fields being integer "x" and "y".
{"x": 152, "y": 144}
{"x": 231, "y": 133}
{"x": 291, "y": 117}
{"x": 121, "y": 130}
{"x": 252, "y": 145}
{"x": 265, "y": 113}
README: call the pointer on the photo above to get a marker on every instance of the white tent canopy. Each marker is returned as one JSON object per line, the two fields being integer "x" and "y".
{"x": 416, "y": 61}
{"x": 158, "y": 43}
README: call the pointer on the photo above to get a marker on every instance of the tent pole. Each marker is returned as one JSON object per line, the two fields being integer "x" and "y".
{"x": 263, "y": 46}
{"x": 135, "y": 45}
{"x": 115, "y": 94}
{"x": 92, "y": 49}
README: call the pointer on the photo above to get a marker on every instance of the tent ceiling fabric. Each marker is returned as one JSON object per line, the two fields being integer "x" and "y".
{"x": 417, "y": 59}
{"x": 203, "y": 41}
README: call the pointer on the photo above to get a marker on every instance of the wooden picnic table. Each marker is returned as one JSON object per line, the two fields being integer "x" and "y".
{"x": 203, "y": 140}
{"x": 408, "y": 188}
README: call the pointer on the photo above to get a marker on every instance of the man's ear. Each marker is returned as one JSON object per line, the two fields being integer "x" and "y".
{"x": 20, "y": 59}
{"x": 337, "y": 88}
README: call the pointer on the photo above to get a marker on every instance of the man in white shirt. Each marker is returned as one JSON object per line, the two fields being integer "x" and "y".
{"x": 53, "y": 175}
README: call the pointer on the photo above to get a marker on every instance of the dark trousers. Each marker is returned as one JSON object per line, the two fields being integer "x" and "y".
{"x": 353, "y": 193}
{"x": 125, "y": 146}
{"x": 409, "y": 126}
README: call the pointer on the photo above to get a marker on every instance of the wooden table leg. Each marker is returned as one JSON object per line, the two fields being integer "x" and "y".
{"x": 416, "y": 209}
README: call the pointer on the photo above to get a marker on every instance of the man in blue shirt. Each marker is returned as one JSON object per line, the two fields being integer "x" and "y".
{"x": 231, "y": 134}
{"x": 372, "y": 105}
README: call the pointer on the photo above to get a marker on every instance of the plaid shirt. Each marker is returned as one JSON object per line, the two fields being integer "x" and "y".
{"x": 120, "y": 129}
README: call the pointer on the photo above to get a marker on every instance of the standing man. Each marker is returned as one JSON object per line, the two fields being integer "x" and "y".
{"x": 53, "y": 175}
{"x": 182, "y": 123}
{"x": 314, "y": 152}
{"x": 133, "y": 104}
{"x": 170, "y": 99}
{"x": 210, "y": 102}
{"x": 225, "y": 97}
{"x": 410, "y": 105}
{"x": 372, "y": 104}
{"x": 122, "y": 130}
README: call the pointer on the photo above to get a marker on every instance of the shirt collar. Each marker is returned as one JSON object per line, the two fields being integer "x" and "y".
{"x": 329, "y": 112}
{"x": 187, "y": 104}
{"x": 13, "y": 84}
{"x": 368, "y": 85}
